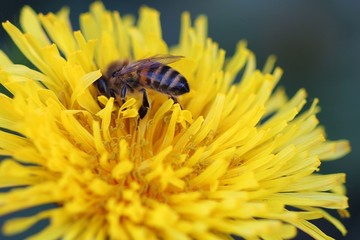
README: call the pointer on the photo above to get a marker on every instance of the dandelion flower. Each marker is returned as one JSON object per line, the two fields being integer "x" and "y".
{"x": 234, "y": 158}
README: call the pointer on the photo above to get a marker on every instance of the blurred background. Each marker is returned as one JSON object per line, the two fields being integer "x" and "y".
{"x": 317, "y": 43}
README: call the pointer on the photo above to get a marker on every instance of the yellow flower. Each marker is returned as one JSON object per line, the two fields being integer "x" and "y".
{"x": 236, "y": 159}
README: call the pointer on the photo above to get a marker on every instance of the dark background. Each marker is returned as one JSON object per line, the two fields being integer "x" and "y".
{"x": 317, "y": 44}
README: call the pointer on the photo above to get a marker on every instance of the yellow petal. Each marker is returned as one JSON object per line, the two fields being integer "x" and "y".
{"x": 30, "y": 23}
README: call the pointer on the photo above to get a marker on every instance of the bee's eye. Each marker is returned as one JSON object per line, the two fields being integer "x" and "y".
{"x": 101, "y": 86}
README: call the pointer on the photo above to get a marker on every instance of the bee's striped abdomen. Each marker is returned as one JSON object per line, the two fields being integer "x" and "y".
{"x": 167, "y": 80}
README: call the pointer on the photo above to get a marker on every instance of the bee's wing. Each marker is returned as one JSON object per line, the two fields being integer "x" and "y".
{"x": 151, "y": 62}
{"x": 163, "y": 58}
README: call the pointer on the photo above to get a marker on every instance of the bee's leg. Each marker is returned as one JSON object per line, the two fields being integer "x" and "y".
{"x": 176, "y": 101}
{"x": 145, "y": 104}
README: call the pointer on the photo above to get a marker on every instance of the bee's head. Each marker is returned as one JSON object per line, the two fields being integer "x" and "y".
{"x": 102, "y": 86}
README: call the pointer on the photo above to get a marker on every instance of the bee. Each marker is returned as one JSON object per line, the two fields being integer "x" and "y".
{"x": 149, "y": 73}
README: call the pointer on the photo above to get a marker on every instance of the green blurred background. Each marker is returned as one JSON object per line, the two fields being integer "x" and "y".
{"x": 317, "y": 44}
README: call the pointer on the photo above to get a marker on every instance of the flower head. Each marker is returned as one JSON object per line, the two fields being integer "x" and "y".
{"x": 231, "y": 159}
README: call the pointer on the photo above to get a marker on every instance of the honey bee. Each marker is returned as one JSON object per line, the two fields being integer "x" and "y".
{"x": 149, "y": 73}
